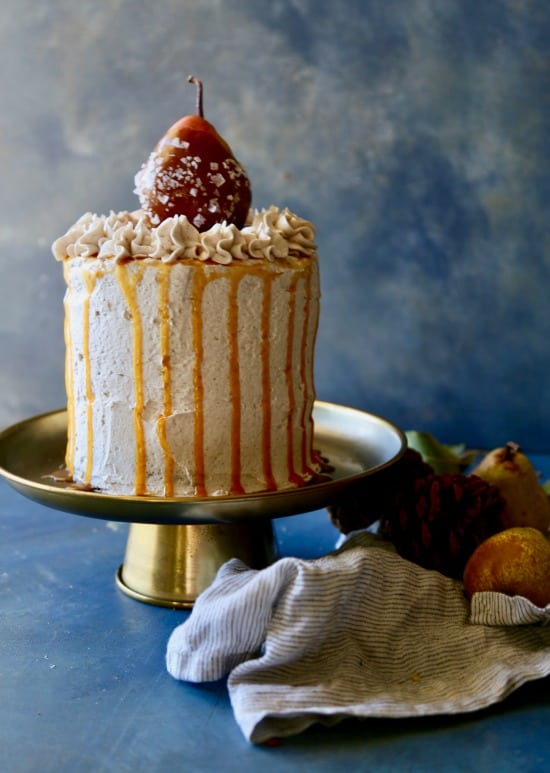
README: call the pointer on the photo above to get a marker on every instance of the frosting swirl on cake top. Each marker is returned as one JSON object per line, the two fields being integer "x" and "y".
{"x": 269, "y": 234}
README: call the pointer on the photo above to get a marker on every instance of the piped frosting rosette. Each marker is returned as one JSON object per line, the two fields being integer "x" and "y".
{"x": 269, "y": 234}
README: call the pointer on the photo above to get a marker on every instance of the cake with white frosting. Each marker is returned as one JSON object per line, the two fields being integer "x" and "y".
{"x": 189, "y": 354}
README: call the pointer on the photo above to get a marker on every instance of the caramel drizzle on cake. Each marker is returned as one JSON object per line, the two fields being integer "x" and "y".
{"x": 306, "y": 379}
{"x": 234, "y": 383}
{"x": 311, "y": 322}
{"x": 265, "y": 357}
{"x": 129, "y": 282}
{"x": 166, "y": 371}
{"x": 200, "y": 281}
{"x": 69, "y": 378}
{"x": 89, "y": 280}
{"x": 292, "y": 475}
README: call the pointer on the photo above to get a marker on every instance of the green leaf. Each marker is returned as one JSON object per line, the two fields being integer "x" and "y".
{"x": 443, "y": 458}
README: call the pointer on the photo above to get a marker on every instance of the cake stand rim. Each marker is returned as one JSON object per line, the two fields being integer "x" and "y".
{"x": 215, "y": 509}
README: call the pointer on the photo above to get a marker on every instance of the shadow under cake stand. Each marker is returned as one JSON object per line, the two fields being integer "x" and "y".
{"x": 176, "y": 545}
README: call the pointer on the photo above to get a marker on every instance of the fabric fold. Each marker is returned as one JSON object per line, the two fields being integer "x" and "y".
{"x": 360, "y": 632}
{"x": 229, "y": 621}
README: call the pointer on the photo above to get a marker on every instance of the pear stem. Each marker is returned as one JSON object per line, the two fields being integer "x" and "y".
{"x": 510, "y": 450}
{"x": 198, "y": 84}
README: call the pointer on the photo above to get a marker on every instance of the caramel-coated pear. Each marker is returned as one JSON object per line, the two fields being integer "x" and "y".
{"x": 511, "y": 471}
{"x": 192, "y": 171}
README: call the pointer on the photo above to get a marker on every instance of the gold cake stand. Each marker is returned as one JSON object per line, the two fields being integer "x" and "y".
{"x": 176, "y": 545}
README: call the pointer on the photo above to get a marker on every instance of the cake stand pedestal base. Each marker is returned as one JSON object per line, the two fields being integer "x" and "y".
{"x": 169, "y": 565}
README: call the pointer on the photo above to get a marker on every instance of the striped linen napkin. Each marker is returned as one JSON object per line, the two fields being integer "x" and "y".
{"x": 357, "y": 633}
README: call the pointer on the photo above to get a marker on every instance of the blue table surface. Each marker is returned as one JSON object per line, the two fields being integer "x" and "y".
{"x": 83, "y": 684}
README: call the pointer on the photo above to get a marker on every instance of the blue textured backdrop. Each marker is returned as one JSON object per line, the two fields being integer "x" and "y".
{"x": 414, "y": 133}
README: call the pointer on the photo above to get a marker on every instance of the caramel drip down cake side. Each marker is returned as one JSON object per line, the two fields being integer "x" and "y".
{"x": 190, "y": 379}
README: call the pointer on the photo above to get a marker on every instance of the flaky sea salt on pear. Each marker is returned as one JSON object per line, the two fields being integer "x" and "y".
{"x": 192, "y": 171}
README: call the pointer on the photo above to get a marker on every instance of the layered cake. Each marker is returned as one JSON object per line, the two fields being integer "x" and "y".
{"x": 189, "y": 343}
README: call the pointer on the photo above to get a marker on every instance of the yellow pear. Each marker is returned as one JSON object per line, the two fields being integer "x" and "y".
{"x": 514, "y": 561}
{"x": 527, "y": 503}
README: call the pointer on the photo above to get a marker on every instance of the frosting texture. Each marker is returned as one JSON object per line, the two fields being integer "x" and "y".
{"x": 188, "y": 379}
{"x": 269, "y": 234}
